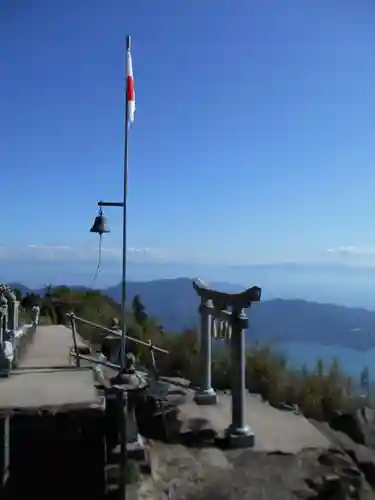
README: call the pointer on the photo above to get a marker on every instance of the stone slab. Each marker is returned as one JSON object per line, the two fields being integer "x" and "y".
{"x": 274, "y": 430}
{"x": 30, "y": 389}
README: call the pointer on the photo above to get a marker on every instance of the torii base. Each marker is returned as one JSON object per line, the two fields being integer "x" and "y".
{"x": 240, "y": 437}
{"x": 208, "y": 397}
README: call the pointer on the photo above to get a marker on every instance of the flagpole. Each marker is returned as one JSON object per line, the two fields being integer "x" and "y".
{"x": 124, "y": 220}
{"x": 122, "y": 395}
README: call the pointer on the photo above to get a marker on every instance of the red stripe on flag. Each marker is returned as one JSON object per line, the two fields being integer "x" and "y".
{"x": 130, "y": 89}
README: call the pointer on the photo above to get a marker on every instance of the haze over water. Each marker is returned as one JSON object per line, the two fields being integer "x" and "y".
{"x": 351, "y": 361}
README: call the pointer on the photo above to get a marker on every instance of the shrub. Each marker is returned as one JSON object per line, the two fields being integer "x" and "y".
{"x": 183, "y": 359}
{"x": 317, "y": 393}
{"x": 133, "y": 473}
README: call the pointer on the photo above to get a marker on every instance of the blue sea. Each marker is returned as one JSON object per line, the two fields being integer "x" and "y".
{"x": 351, "y": 361}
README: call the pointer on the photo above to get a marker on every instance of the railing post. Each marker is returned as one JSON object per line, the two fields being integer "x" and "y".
{"x": 153, "y": 361}
{"x": 75, "y": 343}
{"x": 205, "y": 395}
{"x": 36, "y": 311}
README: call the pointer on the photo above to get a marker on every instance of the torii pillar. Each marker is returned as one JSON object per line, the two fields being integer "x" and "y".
{"x": 229, "y": 310}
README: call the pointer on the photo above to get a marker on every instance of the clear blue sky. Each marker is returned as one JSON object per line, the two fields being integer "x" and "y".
{"x": 254, "y": 135}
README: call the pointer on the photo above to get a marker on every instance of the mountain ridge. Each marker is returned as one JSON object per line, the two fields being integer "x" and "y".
{"x": 174, "y": 302}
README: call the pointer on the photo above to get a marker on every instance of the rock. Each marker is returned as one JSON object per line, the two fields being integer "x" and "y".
{"x": 156, "y": 419}
{"x": 368, "y": 415}
{"x": 366, "y": 419}
{"x": 351, "y": 476}
{"x": 335, "y": 458}
{"x": 333, "y": 487}
{"x": 180, "y": 473}
{"x": 359, "y": 429}
{"x": 359, "y": 426}
{"x": 349, "y": 425}
{"x": 362, "y": 456}
{"x": 340, "y": 484}
{"x": 365, "y": 459}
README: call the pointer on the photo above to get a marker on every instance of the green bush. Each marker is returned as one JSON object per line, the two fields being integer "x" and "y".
{"x": 318, "y": 393}
{"x": 133, "y": 473}
{"x": 182, "y": 360}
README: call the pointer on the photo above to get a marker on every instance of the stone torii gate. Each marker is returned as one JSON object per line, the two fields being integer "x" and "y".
{"x": 225, "y": 313}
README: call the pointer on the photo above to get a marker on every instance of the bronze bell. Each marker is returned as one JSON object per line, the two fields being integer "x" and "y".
{"x": 100, "y": 225}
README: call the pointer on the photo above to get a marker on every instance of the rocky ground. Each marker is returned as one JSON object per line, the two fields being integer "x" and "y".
{"x": 196, "y": 472}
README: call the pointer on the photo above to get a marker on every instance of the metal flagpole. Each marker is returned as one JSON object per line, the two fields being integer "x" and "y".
{"x": 123, "y": 279}
{"x": 122, "y": 396}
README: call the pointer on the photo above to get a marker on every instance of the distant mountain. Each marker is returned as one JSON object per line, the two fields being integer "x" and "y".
{"x": 22, "y": 288}
{"x": 40, "y": 291}
{"x": 302, "y": 321}
{"x": 175, "y": 304}
{"x": 172, "y": 301}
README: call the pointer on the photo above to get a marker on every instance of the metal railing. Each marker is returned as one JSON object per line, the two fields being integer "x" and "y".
{"x": 78, "y": 356}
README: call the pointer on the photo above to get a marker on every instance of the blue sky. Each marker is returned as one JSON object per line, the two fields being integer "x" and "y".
{"x": 253, "y": 140}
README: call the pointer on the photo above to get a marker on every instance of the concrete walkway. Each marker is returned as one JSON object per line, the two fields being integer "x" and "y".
{"x": 46, "y": 377}
{"x": 50, "y": 348}
{"x": 48, "y": 388}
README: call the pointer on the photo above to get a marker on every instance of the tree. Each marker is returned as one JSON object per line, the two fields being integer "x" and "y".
{"x": 30, "y": 300}
{"x": 365, "y": 377}
{"x": 319, "y": 369}
{"x": 48, "y": 292}
{"x": 365, "y": 382}
{"x": 182, "y": 360}
{"x": 334, "y": 372}
{"x": 17, "y": 293}
{"x": 139, "y": 311}
{"x": 47, "y": 310}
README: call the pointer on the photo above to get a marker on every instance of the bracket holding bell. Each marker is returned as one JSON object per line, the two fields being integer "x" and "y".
{"x": 100, "y": 225}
